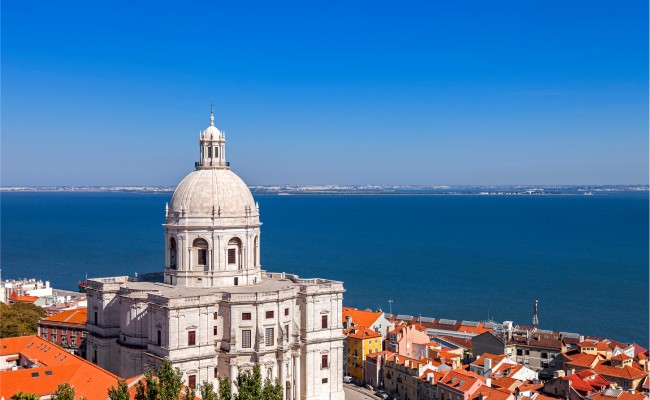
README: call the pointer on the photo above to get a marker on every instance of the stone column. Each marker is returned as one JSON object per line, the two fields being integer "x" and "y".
{"x": 296, "y": 376}
{"x": 233, "y": 376}
{"x": 282, "y": 375}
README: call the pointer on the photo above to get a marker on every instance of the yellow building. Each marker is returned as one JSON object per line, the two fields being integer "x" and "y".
{"x": 360, "y": 342}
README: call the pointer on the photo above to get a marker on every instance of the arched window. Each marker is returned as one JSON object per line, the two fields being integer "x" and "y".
{"x": 269, "y": 374}
{"x": 256, "y": 252}
{"x": 172, "y": 253}
{"x": 234, "y": 252}
{"x": 200, "y": 247}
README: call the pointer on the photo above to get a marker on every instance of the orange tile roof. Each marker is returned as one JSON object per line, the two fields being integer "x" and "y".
{"x": 489, "y": 393}
{"x": 622, "y": 396}
{"x": 448, "y": 354}
{"x": 27, "y": 299}
{"x": 361, "y": 317}
{"x": 75, "y": 316}
{"x": 507, "y": 383}
{"x": 473, "y": 329}
{"x": 583, "y": 360}
{"x": 54, "y": 366}
{"x": 598, "y": 345}
{"x": 621, "y": 357}
{"x": 625, "y": 372}
{"x": 495, "y": 359}
{"x": 461, "y": 380}
{"x": 543, "y": 397}
{"x": 362, "y": 332}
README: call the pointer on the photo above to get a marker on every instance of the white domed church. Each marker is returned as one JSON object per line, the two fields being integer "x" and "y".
{"x": 216, "y": 310}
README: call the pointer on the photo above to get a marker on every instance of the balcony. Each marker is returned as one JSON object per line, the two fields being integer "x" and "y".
{"x": 211, "y": 164}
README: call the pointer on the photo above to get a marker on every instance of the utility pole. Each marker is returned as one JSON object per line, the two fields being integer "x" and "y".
{"x": 390, "y": 307}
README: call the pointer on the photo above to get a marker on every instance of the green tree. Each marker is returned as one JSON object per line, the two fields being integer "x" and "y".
{"x": 171, "y": 381}
{"x": 272, "y": 390}
{"x": 225, "y": 388}
{"x": 267, "y": 390}
{"x": 24, "y": 396}
{"x": 249, "y": 385}
{"x": 190, "y": 394}
{"x": 149, "y": 390}
{"x": 19, "y": 319}
{"x": 207, "y": 391}
{"x": 166, "y": 385}
{"x": 63, "y": 392}
{"x": 119, "y": 393}
{"x": 278, "y": 391}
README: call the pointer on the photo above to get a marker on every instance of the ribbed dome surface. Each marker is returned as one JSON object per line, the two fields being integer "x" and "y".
{"x": 205, "y": 193}
{"x": 211, "y": 133}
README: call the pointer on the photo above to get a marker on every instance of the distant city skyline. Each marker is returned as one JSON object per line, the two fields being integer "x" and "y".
{"x": 462, "y": 93}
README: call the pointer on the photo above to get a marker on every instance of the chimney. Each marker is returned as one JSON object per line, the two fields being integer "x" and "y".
{"x": 348, "y": 321}
{"x": 487, "y": 365}
{"x": 488, "y": 382}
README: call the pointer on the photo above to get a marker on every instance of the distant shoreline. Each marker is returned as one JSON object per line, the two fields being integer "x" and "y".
{"x": 363, "y": 190}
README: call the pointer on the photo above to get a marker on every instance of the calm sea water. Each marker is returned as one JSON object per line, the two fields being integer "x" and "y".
{"x": 585, "y": 258}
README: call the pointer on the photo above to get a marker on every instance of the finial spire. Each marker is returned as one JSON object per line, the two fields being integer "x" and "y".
{"x": 211, "y": 114}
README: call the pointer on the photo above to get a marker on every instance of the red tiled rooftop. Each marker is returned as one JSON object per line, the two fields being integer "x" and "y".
{"x": 362, "y": 332}
{"x": 75, "y": 316}
{"x": 489, "y": 393}
{"x": 461, "y": 380}
{"x": 55, "y": 366}
{"x": 625, "y": 372}
{"x": 27, "y": 299}
{"x": 360, "y": 317}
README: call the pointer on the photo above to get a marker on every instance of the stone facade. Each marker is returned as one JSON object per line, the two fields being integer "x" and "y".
{"x": 216, "y": 311}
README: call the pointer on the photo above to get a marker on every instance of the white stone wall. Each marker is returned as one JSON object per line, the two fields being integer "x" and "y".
{"x": 128, "y": 323}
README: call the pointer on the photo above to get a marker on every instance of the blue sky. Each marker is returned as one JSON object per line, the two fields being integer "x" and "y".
{"x": 431, "y": 92}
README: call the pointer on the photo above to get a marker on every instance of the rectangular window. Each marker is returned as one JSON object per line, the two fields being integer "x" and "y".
{"x": 269, "y": 337}
{"x": 323, "y": 361}
{"x": 246, "y": 339}
{"x": 54, "y": 338}
{"x": 191, "y": 338}
{"x": 158, "y": 337}
{"x": 209, "y": 151}
{"x": 544, "y": 355}
{"x": 191, "y": 381}
{"x": 95, "y": 315}
{"x": 203, "y": 257}
{"x": 214, "y": 331}
{"x": 73, "y": 341}
{"x": 323, "y": 321}
{"x": 216, "y": 372}
{"x": 286, "y": 332}
{"x": 232, "y": 256}
{"x": 95, "y": 356}
{"x": 286, "y": 312}
{"x": 215, "y": 315}
{"x": 269, "y": 314}
{"x": 324, "y": 380}
{"x": 519, "y": 352}
{"x": 246, "y": 316}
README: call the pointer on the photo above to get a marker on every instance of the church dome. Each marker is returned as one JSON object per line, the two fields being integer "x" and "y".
{"x": 207, "y": 193}
{"x": 211, "y": 133}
